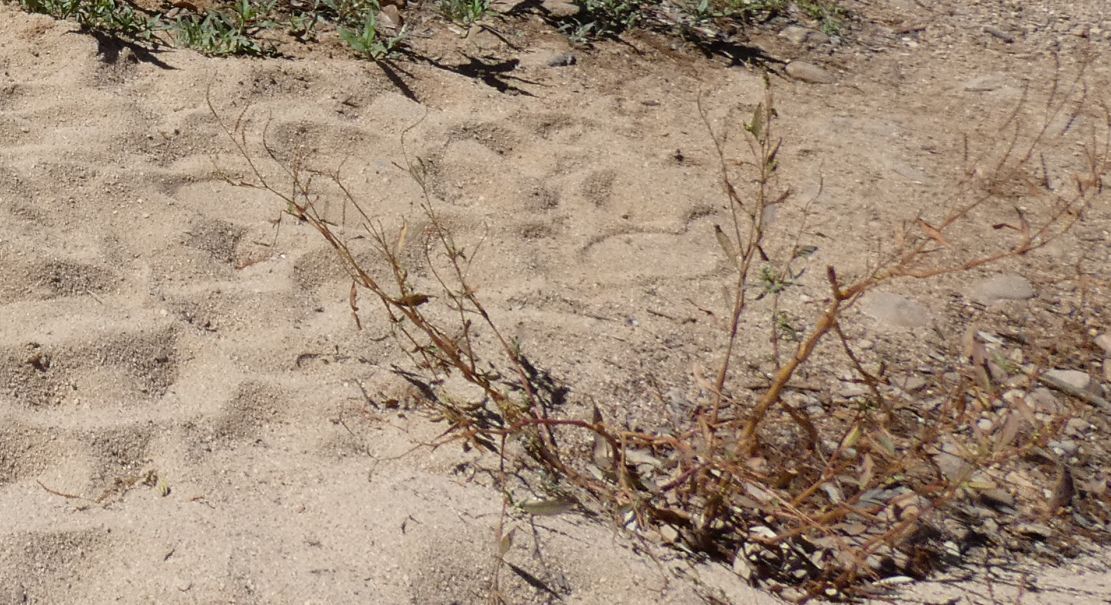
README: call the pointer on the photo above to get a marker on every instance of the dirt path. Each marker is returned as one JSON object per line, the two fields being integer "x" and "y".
{"x": 183, "y": 408}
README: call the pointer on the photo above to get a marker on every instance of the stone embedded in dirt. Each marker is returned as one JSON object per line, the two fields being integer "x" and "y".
{"x": 998, "y": 33}
{"x": 1107, "y": 370}
{"x": 560, "y": 9}
{"x": 849, "y": 390}
{"x": 997, "y": 497}
{"x": 1076, "y": 379}
{"x": 912, "y": 383}
{"x": 1076, "y": 427}
{"x": 1103, "y": 341}
{"x": 1007, "y": 286}
{"x": 1066, "y": 448}
{"x": 742, "y": 567}
{"x": 561, "y": 60}
{"x": 1034, "y": 530}
{"x": 1044, "y": 401}
{"x": 390, "y": 17}
{"x": 912, "y": 174}
{"x": 986, "y": 83}
{"x": 810, "y": 73}
{"x": 796, "y": 34}
{"x": 950, "y": 460}
{"x": 895, "y": 310}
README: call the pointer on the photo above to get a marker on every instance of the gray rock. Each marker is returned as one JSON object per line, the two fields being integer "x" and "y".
{"x": 849, "y": 390}
{"x": 1044, "y": 401}
{"x": 997, "y": 497}
{"x": 1107, "y": 370}
{"x": 912, "y": 383}
{"x": 817, "y": 38}
{"x": 1034, "y": 530}
{"x": 795, "y": 34}
{"x": 986, "y": 83}
{"x": 809, "y": 73}
{"x": 912, "y": 174}
{"x": 1103, "y": 341}
{"x": 950, "y": 460}
{"x": 742, "y": 567}
{"x": 561, "y": 9}
{"x": 895, "y": 310}
{"x": 1007, "y": 286}
{"x": 1065, "y": 448}
{"x": 390, "y": 18}
{"x": 998, "y": 33}
{"x": 1076, "y": 427}
{"x": 1076, "y": 379}
{"x": 561, "y": 60}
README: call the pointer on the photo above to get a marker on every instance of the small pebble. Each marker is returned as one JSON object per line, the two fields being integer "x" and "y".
{"x": 1076, "y": 426}
{"x": 895, "y": 310}
{"x": 1076, "y": 379}
{"x": 809, "y": 73}
{"x": 1007, "y": 286}
{"x": 1065, "y": 448}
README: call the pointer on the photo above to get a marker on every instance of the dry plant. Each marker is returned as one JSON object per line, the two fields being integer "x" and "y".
{"x": 821, "y": 506}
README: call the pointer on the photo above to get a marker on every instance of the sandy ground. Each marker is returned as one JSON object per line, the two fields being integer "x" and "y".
{"x": 181, "y": 418}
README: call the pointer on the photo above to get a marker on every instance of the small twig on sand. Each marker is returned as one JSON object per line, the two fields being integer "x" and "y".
{"x": 63, "y": 494}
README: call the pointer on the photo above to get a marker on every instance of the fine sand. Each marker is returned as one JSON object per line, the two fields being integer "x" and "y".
{"x": 187, "y": 412}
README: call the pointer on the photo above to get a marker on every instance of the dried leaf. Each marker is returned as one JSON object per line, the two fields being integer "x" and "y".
{"x": 760, "y": 494}
{"x": 979, "y": 354}
{"x": 804, "y": 251}
{"x": 412, "y": 300}
{"x": 726, "y": 244}
{"x": 756, "y": 126}
{"x": 602, "y": 453}
{"x": 1063, "y": 490}
{"x": 771, "y": 161}
{"x": 980, "y": 483}
{"x": 867, "y": 468}
{"x": 1006, "y": 435}
{"x": 883, "y": 441}
{"x": 545, "y": 508}
{"x": 402, "y": 235}
{"x": 833, "y": 493}
{"x": 506, "y": 542}
{"x": 932, "y": 232}
{"x": 854, "y": 529}
{"x": 851, "y": 439}
{"x": 352, "y": 299}
{"x": 1022, "y": 407}
{"x": 1023, "y": 224}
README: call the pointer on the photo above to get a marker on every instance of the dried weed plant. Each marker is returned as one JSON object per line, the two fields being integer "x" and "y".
{"x": 843, "y": 500}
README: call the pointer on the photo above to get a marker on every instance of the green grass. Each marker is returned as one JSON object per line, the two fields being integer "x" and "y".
{"x": 231, "y": 31}
{"x": 254, "y": 27}
{"x": 368, "y": 41}
{"x": 106, "y": 16}
{"x": 464, "y": 12}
